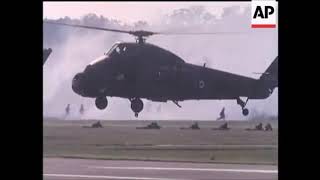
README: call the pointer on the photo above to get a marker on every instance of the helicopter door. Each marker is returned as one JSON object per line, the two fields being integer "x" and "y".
{"x": 166, "y": 79}
{"x": 167, "y": 73}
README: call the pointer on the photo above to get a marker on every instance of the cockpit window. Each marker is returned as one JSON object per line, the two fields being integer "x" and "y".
{"x": 101, "y": 58}
{"x": 111, "y": 50}
{"x": 121, "y": 49}
{"x": 117, "y": 49}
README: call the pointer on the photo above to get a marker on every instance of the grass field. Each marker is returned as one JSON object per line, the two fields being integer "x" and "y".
{"x": 121, "y": 140}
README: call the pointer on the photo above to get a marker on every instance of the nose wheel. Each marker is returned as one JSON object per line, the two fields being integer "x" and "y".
{"x": 136, "y": 106}
{"x": 101, "y": 102}
{"x": 245, "y": 111}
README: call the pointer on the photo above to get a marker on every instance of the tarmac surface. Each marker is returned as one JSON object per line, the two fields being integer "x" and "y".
{"x": 69, "y": 169}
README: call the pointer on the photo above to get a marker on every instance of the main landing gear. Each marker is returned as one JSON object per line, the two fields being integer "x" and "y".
{"x": 101, "y": 102}
{"x": 245, "y": 111}
{"x": 136, "y": 106}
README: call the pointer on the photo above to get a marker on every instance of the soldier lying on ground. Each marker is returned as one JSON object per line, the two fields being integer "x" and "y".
{"x": 193, "y": 126}
{"x": 94, "y": 125}
{"x": 258, "y": 127}
{"x": 222, "y": 127}
{"x": 268, "y": 127}
{"x": 153, "y": 125}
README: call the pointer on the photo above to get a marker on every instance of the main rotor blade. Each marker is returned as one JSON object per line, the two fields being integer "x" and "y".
{"x": 142, "y": 33}
{"x": 90, "y": 27}
{"x": 203, "y": 33}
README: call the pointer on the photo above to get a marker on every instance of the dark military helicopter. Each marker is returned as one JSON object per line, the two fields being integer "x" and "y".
{"x": 141, "y": 70}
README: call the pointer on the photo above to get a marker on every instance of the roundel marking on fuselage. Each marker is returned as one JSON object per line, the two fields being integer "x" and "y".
{"x": 201, "y": 84}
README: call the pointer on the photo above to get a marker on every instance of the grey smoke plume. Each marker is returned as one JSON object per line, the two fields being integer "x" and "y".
{"x": 240, "y": 53}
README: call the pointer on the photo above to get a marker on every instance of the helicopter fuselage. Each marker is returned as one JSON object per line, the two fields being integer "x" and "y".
{"x": 147, "y": 71}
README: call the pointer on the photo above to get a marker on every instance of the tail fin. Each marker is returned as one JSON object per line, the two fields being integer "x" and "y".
{"x": 270, "y": 76}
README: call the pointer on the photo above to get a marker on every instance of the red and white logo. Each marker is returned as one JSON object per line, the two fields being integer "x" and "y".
{"x": 264, "y": 13}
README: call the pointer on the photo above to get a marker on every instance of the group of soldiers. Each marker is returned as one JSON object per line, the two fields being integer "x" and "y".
{"x": 81, "y": 110}
{"x": 195, "y": 126}
{"x": 259, "y": 127}
{"x": 224, "y": 126}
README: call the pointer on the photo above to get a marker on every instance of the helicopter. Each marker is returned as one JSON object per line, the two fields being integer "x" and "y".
{"x": 140, "y": 70}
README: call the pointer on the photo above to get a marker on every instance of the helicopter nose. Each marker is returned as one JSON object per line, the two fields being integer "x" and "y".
{"x": 77, "y": 83}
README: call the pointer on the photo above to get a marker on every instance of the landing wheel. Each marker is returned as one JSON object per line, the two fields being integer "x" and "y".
{"x": 245, "y": 111}
{"x": 101, "y": 102}
{"x": 270, "y": 91}
{"x": 136, "y": 106}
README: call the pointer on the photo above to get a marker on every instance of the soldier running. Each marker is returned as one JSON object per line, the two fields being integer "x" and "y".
{"x": 81, "y": 109}
{"x": 222, "y": 115}
{"x": 67, "y": 109}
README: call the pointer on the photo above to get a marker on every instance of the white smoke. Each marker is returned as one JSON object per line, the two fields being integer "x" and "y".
{"x": 240, "y": 53}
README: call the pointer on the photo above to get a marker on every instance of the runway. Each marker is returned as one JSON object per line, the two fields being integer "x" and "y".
{"x": 65, "y": 168}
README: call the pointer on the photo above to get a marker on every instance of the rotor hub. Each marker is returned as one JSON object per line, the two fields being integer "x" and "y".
{"x": 140, "y": 40}
{"x": 141, "y": 35}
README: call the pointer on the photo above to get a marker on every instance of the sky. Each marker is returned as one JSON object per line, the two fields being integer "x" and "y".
{"x": 241, "y": 54}
{"x": 128, "y": 11}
